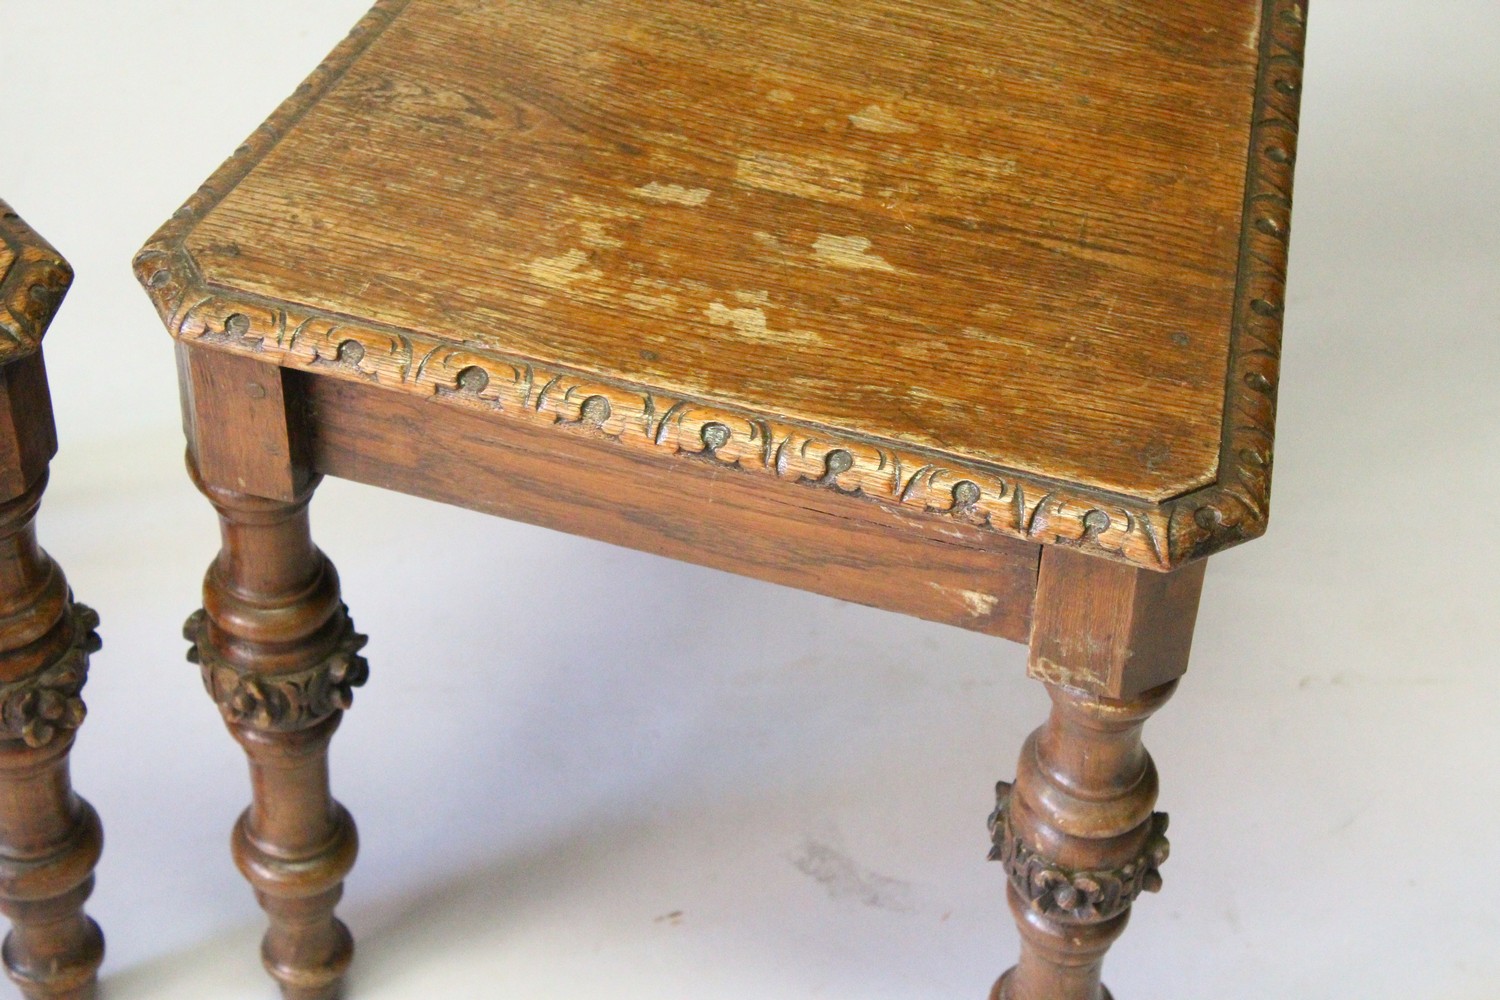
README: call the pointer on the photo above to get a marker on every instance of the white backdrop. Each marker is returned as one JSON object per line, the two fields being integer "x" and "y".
{"x": 580, "y": 770}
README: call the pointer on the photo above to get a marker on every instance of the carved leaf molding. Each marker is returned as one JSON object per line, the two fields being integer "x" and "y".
{"x": 1087, "y": 896}
{"x": 1019, "y": 505}
{"x": 47, "y": 705}
{"x": 1237, "y": 507}
{"x": 279, "y": 702}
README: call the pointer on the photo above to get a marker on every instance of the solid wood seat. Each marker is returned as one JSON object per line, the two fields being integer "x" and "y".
{"x": 1006, "y": 243}
{"x": 878, "y": 299}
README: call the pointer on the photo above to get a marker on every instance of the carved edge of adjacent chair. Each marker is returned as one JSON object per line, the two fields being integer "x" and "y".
{"x": 32, "y": 286}
{"x": 1010, "y": 502}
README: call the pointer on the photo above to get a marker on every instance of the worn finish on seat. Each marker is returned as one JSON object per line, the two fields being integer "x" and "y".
{"x": 965, "y": 310}
{"x": 1005, "y": 245}
{"x": 50, "y": 839}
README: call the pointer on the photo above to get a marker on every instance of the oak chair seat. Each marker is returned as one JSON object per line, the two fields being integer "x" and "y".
{"x": 896, "y": 301}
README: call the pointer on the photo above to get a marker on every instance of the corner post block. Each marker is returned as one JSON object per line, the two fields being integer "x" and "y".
{"x": 1076, "y": 832}
{"x": 280, "y": 657}
{"x": 50, "y": 839}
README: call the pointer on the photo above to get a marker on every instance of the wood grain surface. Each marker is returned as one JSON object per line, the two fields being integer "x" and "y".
{"x": 28, "y": 433}
{"x": 1108, "y": 629}
{"x": 1037, "y": 247}
{"x": 922, "y": 222}
{"x": 699, "y": 512}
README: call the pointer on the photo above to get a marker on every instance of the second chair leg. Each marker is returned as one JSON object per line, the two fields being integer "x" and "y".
{"x": 280, "y": 656}
{"x": 50, "y": 839}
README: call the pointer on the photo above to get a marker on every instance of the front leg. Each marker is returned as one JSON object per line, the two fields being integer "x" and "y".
{"x": 278, "y": 653}
{"x": 1076, "y": 832}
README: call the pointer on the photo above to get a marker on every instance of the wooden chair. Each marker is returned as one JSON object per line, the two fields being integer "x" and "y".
{"x": 50, "y": 839}
{"x": 966, "y": 310}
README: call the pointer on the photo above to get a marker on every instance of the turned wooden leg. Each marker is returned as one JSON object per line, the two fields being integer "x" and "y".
{"x": 1076, "y": 832}
{"x": 280, "y": 657}
{"x": 50, "y": 839}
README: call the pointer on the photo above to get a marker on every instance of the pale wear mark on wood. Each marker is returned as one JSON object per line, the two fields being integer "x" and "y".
{"x": 962, "y": 171}
{"x": 750, "y": 323}
{"x": 1253, "y": 40}
{"x": 877, "y": 119}
{"x": 604, "y": 211}
{"x": 673, "y": 194}
{"x": 562, "y": 271}
{"x": 1050, "y": 672}
{"x": 976, "y": 602}
{"x": 849, "y": 251}
{"x": 999, "y": 336}
{"x": 651, "y": 303}
{"x": 596, "y": 236}
{"x": 820, "y": 177}
{"x": 979, "y": 603}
